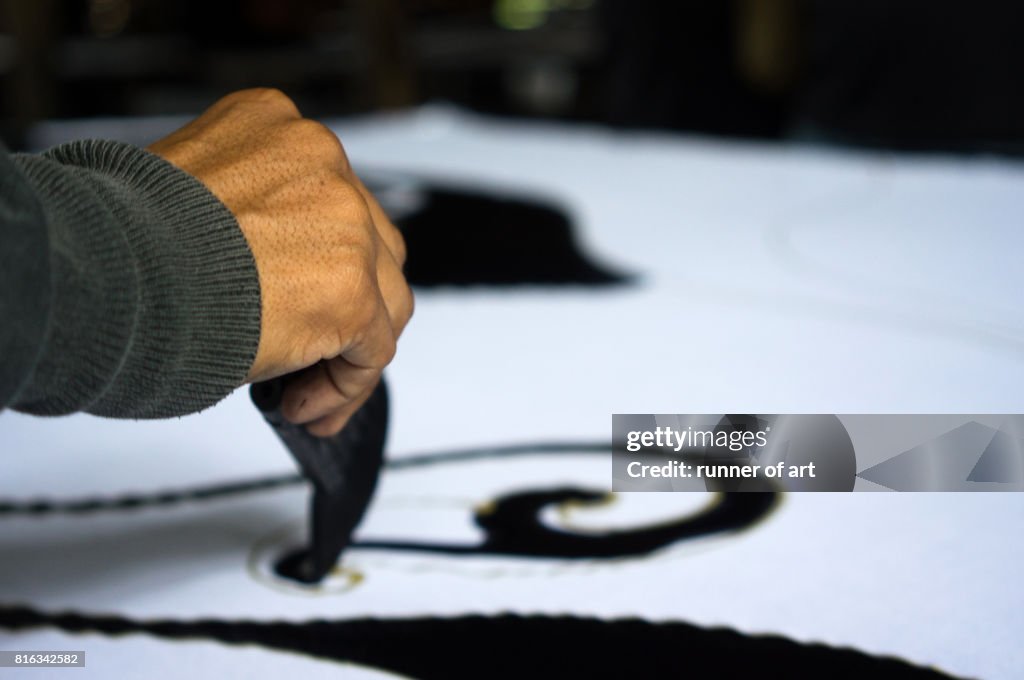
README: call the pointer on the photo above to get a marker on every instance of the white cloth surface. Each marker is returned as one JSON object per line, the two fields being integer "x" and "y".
{"x": 772, "y": 280}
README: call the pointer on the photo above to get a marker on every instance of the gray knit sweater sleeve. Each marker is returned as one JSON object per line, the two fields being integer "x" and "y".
{"x": 126, "y": 288}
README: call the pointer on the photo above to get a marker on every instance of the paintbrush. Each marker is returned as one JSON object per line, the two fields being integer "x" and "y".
{"x": 343, "y": 470}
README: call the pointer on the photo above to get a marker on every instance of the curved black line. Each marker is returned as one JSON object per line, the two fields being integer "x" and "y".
{"x": 503, "y": 646}
{"x": 512, "y": 522}
{"x": 217, "y": 491}
{"x": 512, "y": 526}
{"x": 154, "y": 499}
{"x": 507, "y": 451}
{"x": 509, "y": 646}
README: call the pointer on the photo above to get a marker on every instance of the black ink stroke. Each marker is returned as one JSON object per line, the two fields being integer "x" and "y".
{"x": 499, "y": 647}
{"x": 511, "y": 522}
{"x": 127, "y": 502}
{"x": 461, "y": 237}
{"x": 513, "y": 528}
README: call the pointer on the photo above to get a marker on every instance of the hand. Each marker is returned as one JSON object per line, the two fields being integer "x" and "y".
{"x": 330, "y": 262}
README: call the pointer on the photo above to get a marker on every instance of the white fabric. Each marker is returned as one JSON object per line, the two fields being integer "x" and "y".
{"x": 773, "y": 279}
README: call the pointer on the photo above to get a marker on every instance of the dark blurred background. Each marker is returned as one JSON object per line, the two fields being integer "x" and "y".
{"x": 902, "y": 74}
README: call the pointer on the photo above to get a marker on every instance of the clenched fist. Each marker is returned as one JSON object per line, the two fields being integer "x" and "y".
{"x": 334, "y": 299}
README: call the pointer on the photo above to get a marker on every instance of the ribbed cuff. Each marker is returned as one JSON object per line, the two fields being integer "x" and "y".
{"x": 190, "y": 281}
{"x": 24, "y": 280}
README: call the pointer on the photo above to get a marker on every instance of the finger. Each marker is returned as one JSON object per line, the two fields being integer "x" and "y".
{"x": 343, "y": 380}
{"x": 352, "y": 386}
{"x": 395, "y": 291}
{"x": 321, "y": 390}
{"x": 354, "y": 374}
{"x": 332, "y": 423}
{"x": 309, "y": 394}
{"x": 373, "y": 345}
{"x": 388, "y": 232}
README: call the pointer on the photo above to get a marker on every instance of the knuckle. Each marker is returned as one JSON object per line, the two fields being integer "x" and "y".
{"x": 408, "y": 304}
{"x": 320, "y": 141}
{"x": 236, "y": 96}
{"x": 348, "y": 205}
{"x": 358, "y": 210}
{"x": 274, "y": 97}
{"x": 343, "y": 162}
{"x": 362, "y": 316}
{"x": 388, "y": 350}
{"x": 260, "y": 106}
{"x": 384, "y": 350}
{"x": 363, "y": 296}
{"x": 313, "y": 130}
{"x": 369, "y": 290}
{"x": 361, "y": 214}
{"x": 265, "y": 95}
{"x": 399, "y": 248}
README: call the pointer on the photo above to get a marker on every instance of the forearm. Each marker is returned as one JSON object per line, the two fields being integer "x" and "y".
{"x": 153, "y": 307}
